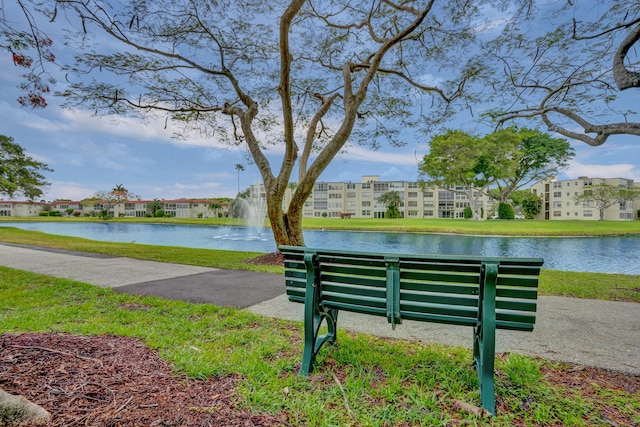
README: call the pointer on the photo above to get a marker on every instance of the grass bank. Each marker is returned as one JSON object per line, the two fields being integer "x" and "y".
{"x": 615, "y": 287}
{"x": 363, "y": 381}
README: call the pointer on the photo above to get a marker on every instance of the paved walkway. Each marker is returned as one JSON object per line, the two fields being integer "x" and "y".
{"x": 605, "y": 334}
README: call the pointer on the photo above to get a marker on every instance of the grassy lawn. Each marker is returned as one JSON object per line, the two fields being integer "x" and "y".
{"x": 364, "y": 380}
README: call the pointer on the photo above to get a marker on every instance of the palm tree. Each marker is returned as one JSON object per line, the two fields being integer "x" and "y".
{"x": 239, "y": 168}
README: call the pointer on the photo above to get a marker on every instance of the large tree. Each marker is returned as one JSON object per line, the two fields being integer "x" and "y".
{"x": 567, "y": 63}
{"x": 603, "y": 196}
{"x": 309, "y": 77}
{"x": 458, "y": 159}
{"x": 20, "y": 174}
{"x": 539, "y": 156}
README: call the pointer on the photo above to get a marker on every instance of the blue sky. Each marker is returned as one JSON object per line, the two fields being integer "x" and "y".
{"x": 93, "y": 153}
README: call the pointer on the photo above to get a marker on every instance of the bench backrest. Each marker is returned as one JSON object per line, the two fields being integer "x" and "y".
{"x": 435, "y": 288}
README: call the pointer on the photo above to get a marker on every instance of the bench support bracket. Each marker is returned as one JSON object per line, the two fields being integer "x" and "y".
{"x": 314, "y": 314}
{"x": 484, "y": 335}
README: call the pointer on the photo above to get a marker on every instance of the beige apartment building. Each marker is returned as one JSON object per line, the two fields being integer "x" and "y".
{"x": 359, "y": 199}
{"x": 558, "y": 199}
{"x": 182, "y": 208}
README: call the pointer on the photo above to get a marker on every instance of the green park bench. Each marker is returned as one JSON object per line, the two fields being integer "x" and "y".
{"x": 483, "y": 292}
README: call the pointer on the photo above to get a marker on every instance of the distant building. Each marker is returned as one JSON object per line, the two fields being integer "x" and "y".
{"x": 359, "y": 200}
{"x": 181, "y": 208}
{"x": 558, "y": 199}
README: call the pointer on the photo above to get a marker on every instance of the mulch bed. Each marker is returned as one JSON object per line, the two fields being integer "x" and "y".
{"x": 116, "y": 381}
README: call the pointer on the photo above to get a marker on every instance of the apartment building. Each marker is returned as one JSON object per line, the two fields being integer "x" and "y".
{"x": 19, "y": 208}
{"x": 181, "y": 208}
{"x": 359, "y": 200}
{"x": 558, "y": 199}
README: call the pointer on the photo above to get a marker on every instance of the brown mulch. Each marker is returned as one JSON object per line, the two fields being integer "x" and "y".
{"x": 274, "y": 258}
{"x": 116, "y": 381}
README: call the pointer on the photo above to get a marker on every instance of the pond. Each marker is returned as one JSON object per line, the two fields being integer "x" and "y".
{"x": 610, "y": 254}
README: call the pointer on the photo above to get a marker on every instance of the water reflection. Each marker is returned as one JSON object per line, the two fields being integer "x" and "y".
{"x": 611, "y": 254}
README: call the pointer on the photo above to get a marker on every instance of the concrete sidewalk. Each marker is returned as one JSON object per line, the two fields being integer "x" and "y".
{"x": 597, "y": 333}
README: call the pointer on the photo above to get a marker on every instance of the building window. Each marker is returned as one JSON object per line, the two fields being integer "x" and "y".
{"x": 428, "y": 213}
{"x": 335, "y": 195}
{"x": 413, "y": 194}
{"x": 557, "y": 194}
{"x": 351, "y": 186}
{"x": 557, "y": 184}
{"x": 412, "y": 185}
{"x": 366, "y": 204}
{"x": 557, "y": 213}
{"x": 587, "y": 213}
{"x": 412, "y": 203}
{"x": 428, "y": 194}
{"x": 412, "y": 212}
{"x": 366, "y": 212}
{"x": 557, "y": 204}
{"x": 351, "y": 195}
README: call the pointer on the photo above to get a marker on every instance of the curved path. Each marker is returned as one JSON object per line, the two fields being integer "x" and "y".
{"x": 604, "y": 334}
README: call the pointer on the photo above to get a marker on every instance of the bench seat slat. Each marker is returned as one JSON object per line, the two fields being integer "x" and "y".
{"x": 521, "y": 281}
{"x": 530, "y": 293}
{"x": 379, "y": 282}
{"x": 353, "y": 290}
{"x": 516, "y": 305}
{"x": 439, "y": 276}
{"x": 439, "y": 298}
{"x": 353, "y": 271}
{"x": 449, "y": 288}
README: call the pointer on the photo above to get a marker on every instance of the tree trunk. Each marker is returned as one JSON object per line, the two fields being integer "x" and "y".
{"x": 286, "y": 226}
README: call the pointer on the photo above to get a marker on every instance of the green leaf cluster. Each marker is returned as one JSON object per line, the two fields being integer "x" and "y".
{"x": 20, "y": 174}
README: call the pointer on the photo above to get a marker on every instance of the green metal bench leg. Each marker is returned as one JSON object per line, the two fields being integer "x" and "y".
{"x": 314, "y": 314}
{"x": 484, "y": 343}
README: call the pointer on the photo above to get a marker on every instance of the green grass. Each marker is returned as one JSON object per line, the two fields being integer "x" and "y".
{"x": 363, "y": 380}
{"x": 615, "y": 287}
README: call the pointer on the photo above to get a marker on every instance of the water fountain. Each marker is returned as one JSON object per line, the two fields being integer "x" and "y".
{"x": 253, "y": 212}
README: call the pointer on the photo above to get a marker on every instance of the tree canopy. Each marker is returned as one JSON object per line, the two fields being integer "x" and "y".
{"x": 567, "y": 64}
{"x": 305, "y": 78}
{"x": 20, "y": 174}
{"x": 603, "y": 196}
{"x": 474, "y": 163}
{"x": 539, "y": 156}
{"x": 31, "y": 51}
{"x": 392, "y": 200}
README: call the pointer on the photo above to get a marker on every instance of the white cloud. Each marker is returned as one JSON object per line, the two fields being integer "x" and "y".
{"x": 68, "y": 190}
{"x": 620, "y": 170}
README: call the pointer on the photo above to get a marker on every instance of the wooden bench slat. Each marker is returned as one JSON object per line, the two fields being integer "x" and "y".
{"x": 529, "y": 293}
{"x": 517, "y": 305}
{"x": 522, "y": 281}
{"x": 437, "y": 276}
{"x": 439, "y": 298}
{"x": 354, "y": 271}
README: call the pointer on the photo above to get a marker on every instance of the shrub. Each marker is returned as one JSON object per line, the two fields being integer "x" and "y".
{"x": 55, "y": 213}
{"x": 77, "y": 213}
{"x": 160, "y": 213}
{"x": 505, "y": 211}
{"x": 43, "y": 213}
{"x": 468, "y": 213}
